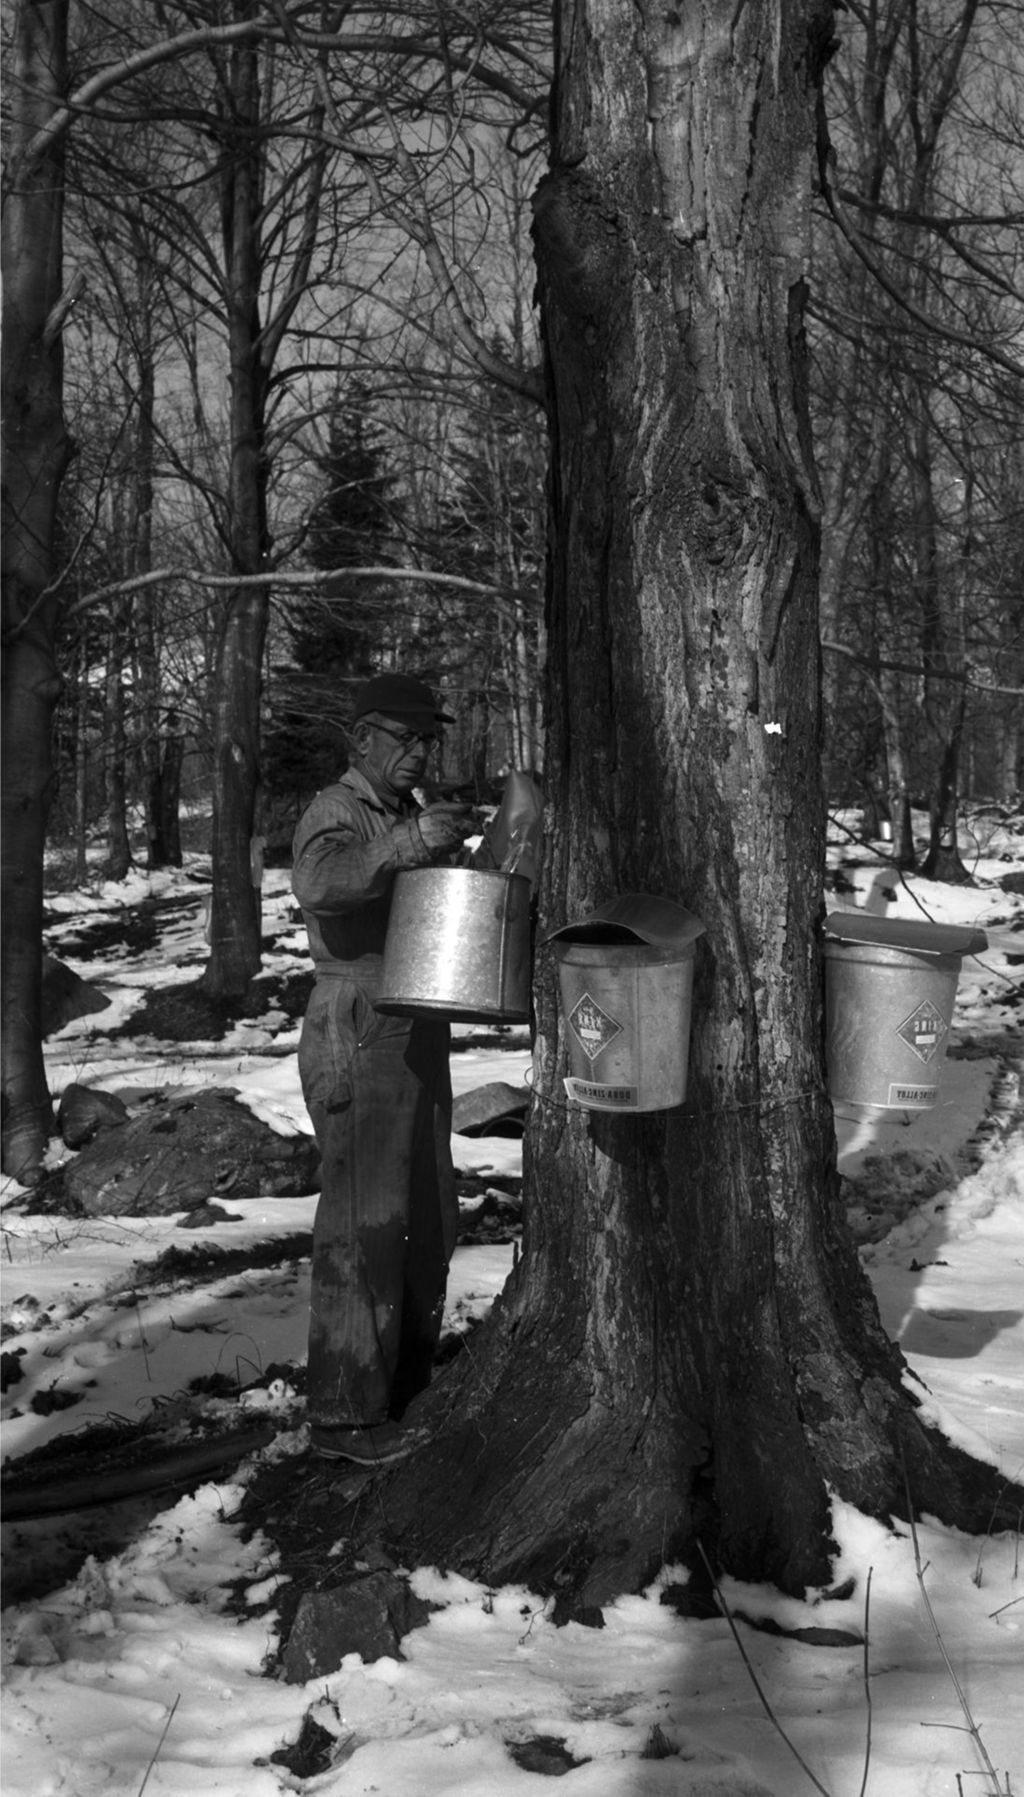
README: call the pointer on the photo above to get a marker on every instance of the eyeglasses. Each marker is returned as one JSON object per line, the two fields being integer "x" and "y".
{"x": 408, "y": 738}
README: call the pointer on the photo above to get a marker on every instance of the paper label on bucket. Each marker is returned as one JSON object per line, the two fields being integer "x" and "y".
{"x": 913, "y": 1098}
{"x": 923, "y": 1030}
{"x": 609, "y": 1098}
{"x": 592, "y": 1027}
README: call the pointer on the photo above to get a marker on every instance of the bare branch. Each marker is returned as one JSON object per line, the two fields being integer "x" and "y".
{"x": 419, "y": 225}
{"x": 279, "y": 25}
{"x": 947, "y": 229}
{"x": 935, "y": 328}
{"x": 58, "y": 313}
{"x": 416, "y": 221}
{"x": 965, "y": 677}
{"x": 281, "y": 581}
{"x": 931, "y": 221}
{"x": 114, "y": 75}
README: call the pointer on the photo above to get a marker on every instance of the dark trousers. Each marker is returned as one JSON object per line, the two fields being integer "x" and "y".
{"x": 378, "y": 1091}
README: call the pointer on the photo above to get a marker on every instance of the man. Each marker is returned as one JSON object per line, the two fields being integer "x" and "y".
{"x": 378, "y": 1088}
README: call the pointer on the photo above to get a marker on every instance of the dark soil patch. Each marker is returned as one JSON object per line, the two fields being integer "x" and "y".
{"x": 188, "y": 1013}
{"x": 287, "y": 992}
{"x": 317, "y": 1518}
{"x": 184, "y": 1014}
{"x": 311, "y": 1754}
{"x": 92, "y": 1446}
{"x": 492, "y": 1211}
{"x": 545, "y": 1754}
{"x": 93, "y": 1492}
{"x": 134, "y": 930}
{"x": 46, "y": 1196}
{"x": 125, "y": 1443}
{"x": 200, "y": 1262}
{"x": 56, "y": 1397}
{"x": 126, "y": 931}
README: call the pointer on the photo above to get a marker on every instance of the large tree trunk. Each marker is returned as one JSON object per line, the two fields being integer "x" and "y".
{"x": 688, "y": 1350}
{"x": 234, "y": 909}
{"x": 35, "y": 454}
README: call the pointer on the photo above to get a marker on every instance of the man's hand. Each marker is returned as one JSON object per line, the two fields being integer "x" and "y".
{"x": 446, "y": 825}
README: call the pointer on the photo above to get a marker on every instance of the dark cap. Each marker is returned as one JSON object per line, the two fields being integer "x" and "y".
{"x": 402, "y": 697}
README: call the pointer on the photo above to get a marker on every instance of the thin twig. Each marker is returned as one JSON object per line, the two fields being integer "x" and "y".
{"x": 159, "y": 1745}
{"x": 997, "y": 1500}
{"x": 921, "y": 1568}
{"x": 143, "y": 1343}
{"x": 867, "y": 1686}
{"x": 769, "y": 1712}
{"x": 994, "y": 1613}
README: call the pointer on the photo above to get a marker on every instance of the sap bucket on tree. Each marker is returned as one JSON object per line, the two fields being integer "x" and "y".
{"x": 890, "y": 987}
{"x": 625, "y": 975}
{"x": 458, "y": 946}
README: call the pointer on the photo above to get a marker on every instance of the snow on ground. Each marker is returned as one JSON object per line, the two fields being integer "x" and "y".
{"x": 137, "y": 1676}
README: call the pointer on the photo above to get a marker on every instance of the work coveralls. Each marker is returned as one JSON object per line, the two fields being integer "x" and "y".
{"x": 378, "y": 1091}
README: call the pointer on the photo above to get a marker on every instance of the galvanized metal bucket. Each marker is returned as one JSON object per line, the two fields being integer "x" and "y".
{"x": 626, "y": 982}
{"x": 890, "y": 989}
{"x": 458, "y": 946}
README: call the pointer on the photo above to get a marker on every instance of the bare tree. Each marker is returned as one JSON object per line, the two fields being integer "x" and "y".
{"x": 919, "y": 383}
{"x": 265, "y": 86}
{"x": 35, "y": 453}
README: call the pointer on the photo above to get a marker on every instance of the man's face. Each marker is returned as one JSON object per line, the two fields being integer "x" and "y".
{"x": 394, "y": 755}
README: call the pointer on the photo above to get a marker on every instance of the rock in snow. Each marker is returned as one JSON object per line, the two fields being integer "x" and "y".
{"x": 185, "y": 1151}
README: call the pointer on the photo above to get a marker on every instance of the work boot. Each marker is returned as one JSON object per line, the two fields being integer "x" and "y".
{"x": 375, "y": 1445}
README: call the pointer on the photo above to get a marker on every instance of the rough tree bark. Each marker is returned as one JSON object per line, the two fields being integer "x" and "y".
{"x": 36, "y": 451}
{"x": 688, "y": 1349}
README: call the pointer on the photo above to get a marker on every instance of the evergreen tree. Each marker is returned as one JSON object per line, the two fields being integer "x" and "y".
{"x": 339, "y": 634}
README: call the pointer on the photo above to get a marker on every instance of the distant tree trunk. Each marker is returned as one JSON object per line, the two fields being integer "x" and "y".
{"x": 943, "y": 860}
{"x": 1009, "y": 775}
{"x": 935, "y": 81}
{"x": 234, "y": 909}
{"x": 164, "y": 801}
{"x": 154, "y": 751}
{"x": 35, "y": 451}
{"x": 904, "y": 852}
{"x": 163, "y": 745}
{"x": 83, "y": 761}
{"x": 881, "y": 550}
{"x": 945, "y": 694}
{"x": 689, "y": 1350}
{"x": 115, "y": 748}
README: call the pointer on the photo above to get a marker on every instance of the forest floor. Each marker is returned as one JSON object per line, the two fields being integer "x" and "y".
{"x": 141, "y": 1624}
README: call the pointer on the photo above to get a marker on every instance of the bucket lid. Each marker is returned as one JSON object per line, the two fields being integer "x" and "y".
{"x": 634, "y": 917}
{"x": 922, "y": 937}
